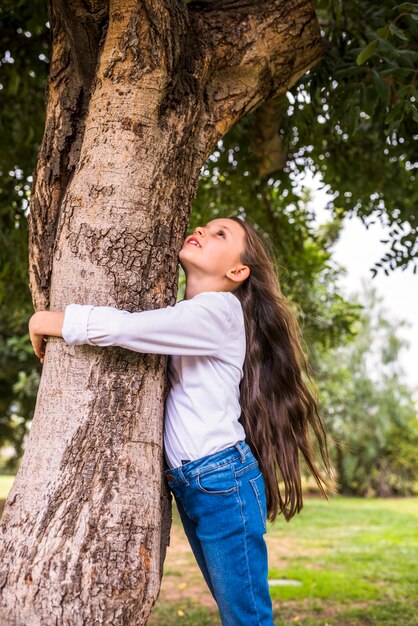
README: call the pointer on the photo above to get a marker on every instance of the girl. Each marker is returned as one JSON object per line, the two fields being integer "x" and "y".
{"x": 238, "y": 410}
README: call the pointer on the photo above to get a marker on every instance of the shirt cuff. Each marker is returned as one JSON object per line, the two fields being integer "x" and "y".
{"x": 74, "y": 328}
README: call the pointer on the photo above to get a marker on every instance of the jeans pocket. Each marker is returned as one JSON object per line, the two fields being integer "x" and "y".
{"x": 259, "y": 488}
{"x": 218, "y": 481}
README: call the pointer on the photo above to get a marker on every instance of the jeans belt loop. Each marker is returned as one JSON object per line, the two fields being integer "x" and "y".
{"x": 238, "y": 446}
{"x": 183, "y": 477}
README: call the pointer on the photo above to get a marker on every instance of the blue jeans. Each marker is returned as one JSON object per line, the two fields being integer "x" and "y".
{"x": 221, "y": 499}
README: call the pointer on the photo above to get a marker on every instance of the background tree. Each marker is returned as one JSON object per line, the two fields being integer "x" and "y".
{"x": 17, "y": 399}
{"x": 369, "y": 410}
{"x": 24, "y": 63}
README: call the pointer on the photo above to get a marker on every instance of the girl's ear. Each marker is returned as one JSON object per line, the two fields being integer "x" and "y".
{"x": 239, "y": 274}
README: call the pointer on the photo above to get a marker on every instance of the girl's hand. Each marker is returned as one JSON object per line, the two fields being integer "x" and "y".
{"x": 38, "y": 340}
{"x": 43, "y": 324}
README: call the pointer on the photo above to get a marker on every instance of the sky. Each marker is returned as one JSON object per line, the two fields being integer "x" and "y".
{"x": 357, "y": 250}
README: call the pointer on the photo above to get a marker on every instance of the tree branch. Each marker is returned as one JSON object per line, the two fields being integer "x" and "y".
{"x": 266, "y": 141}
{"x": 250, "y": 52}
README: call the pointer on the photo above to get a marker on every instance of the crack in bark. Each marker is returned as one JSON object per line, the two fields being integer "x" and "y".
{"x": 67, "y": 96}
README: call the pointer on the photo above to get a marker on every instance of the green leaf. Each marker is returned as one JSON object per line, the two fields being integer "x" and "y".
{"x": 407, "y": 6}
{"x": 398, "y": 32}
{"x": 381, "y": 87}
{"x": 14, "y": 83}
{"x": 368, "y": 100}
{"x": 399, "y": 72}
{"x": 367, "y": 52}
{"x": 395, "y": 113}
{"x": 352, "y": 119}
{"x": 383, "y": 32}
{"x": 30, "y": 136}
{"x": 388, "y": 50}
{"x": 410, "y": 56}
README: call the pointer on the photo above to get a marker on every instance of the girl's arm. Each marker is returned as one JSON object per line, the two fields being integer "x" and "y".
{"x": 44, "y": 323}
{"x": 199, "y": 326}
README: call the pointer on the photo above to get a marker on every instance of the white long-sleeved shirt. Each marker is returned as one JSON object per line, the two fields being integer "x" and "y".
{"x": 205, "y": 340}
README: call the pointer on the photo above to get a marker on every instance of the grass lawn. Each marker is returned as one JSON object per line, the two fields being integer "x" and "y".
{"x": 356, "y": 559}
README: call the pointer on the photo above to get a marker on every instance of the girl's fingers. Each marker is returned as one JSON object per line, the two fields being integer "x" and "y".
{"x": 42, "y": 349}
{"x": 39, "y": 345}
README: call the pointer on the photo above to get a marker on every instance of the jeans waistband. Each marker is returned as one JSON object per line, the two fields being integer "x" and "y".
{"x": 240, "y": 450}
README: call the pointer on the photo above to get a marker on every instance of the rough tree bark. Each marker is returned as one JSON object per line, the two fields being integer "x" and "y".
{"x": 139, "y": 93}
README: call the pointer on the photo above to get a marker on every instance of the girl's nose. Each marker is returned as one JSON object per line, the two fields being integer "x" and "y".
{"x": 199, "y": 230}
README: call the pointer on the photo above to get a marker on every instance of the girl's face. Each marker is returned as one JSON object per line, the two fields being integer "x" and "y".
{"x": 220, "y": 244}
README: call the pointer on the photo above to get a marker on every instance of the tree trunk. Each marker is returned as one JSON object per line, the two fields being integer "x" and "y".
{"x": 139, "y": 93}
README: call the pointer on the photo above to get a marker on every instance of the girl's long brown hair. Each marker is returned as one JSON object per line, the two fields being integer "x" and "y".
{"x": 277, "y": 404}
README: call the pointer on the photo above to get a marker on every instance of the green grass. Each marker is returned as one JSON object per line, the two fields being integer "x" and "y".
{"x": 184, "y": 613}
{"x": 356, "y": 558}
{"x": 365, "y": 559}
